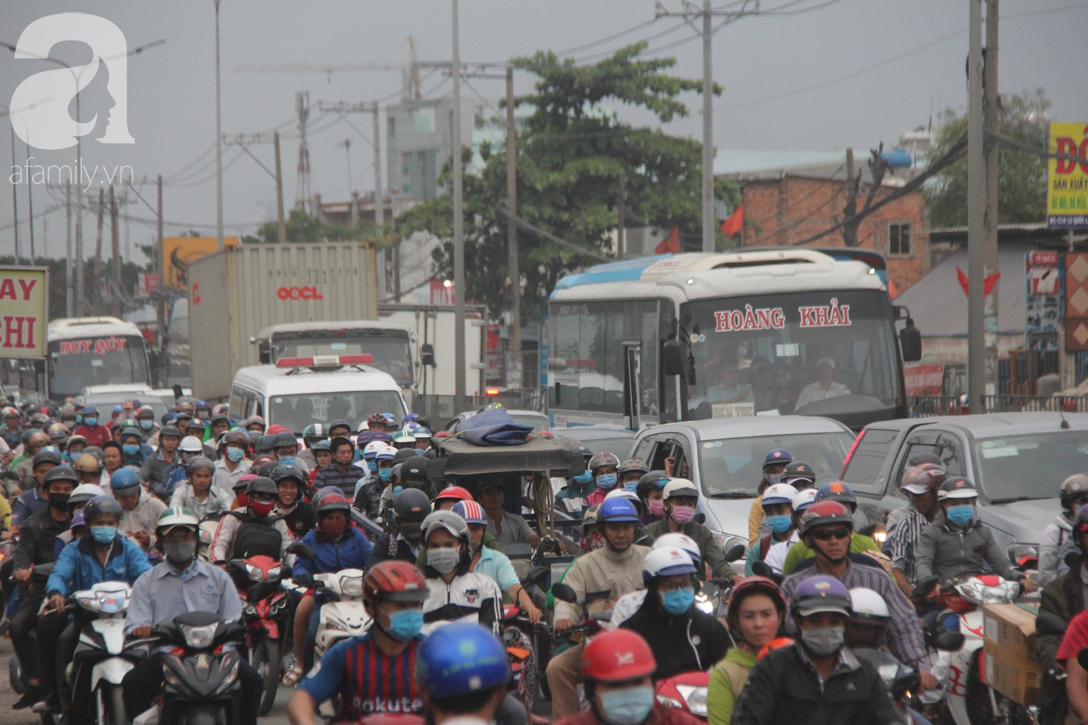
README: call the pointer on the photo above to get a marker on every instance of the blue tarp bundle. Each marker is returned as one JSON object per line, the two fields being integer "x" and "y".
{"x": 495, "y": 427}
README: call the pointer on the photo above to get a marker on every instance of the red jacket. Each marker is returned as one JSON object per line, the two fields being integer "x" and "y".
{"x": 660, "y": 715}
{"x": 97, "y": 436}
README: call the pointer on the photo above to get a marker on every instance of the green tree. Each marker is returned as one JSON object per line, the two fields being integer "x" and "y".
{"x": 1021, "y": 180}
{"x": 303, "y": 228}
{"x": 576, "y": 160}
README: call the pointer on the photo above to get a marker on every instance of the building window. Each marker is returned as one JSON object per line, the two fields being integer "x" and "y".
{"x": 899, "y": 240}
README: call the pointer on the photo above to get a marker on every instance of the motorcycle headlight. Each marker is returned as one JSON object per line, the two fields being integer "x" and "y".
{"x": 351, "y": 586}
{"x": 1019, "y": 552}
{"x": 670, "y": 702}
{"x": 250, "y": 611}
{"x": 198, "y": 637}
{"x": 88, "y": 602}
{"x": 999, "y": 595}
{"x": 274, "y": 572}
{"x": 695, "y": 697}
{"x": 254, "y": 573}
{"x": 112, "y": 602}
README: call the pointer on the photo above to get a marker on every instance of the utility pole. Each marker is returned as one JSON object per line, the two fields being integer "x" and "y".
{"x": 513, "y": 375}
{"x": 98, "y": 254}
{"x": 458, "y": 220}
{"x": 346, "y": 143}
{"x": 160, "y": 291}
{"x": 15, "y": 200}
{"x": 281, "y": 225}
{"x": 379, "y": 197}
{"x": 81, "y": 292}
{"x": 218, "y": 143}
{"x": 991, "y": 110}
{"x": 115, "y": 244}
{"x": 69, "y": 268}
{"x": 30, "y": 210}
{"x": 976, "y": 203}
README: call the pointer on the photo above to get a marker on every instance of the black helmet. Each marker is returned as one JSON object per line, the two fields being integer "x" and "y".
{"x": 404, "y": 454}
{"x": 322, "y": 445}
{"x": 262, "y": 484}
{"x": 220, "y": 419}
{"x": 266, "y": 468}
{"x": 412, "y": 505}
{"x": 798, "y": 471}
{"x": 265, "y": 443}
{"x": 61, "y": 473}
{"x": 283, "y": 439}
{"x": 650, "y": 481}
{"x": 170, "y": 430}
{"x": 314, "y": 433}
{"x": 413, "y": 469}
{"x": 235, "y": 437}
{"x": 100, "y": 505}
{"x": 44, "y": 457}
{"x": 284, "y": 472}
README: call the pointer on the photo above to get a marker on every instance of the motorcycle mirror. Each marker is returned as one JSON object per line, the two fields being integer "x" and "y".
{"x": 302, "y": 551}
{"x": 735, "y": 554}
{"x": 565, "y": 593}
{"x": 700, "y": 518}
{"x": 762, "y": 569}
{"x": 926, "y": 586}
{"x": 1050, "y": 624}
{"x": 950, "y": 641}
{"x": 537, "y": 575}
{"x": 259, "y": 591}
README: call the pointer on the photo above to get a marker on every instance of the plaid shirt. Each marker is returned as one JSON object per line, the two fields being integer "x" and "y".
{"x": 905, "y": 632}
{"x": 902, "y": 542}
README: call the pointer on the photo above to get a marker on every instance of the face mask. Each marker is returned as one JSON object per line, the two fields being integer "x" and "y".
{"x": 59, "y": 501}
{"x": 630, "y": 486}
{"x": 397, "y": 489}
{"x": 103, "y": 534}
{"x": 261, "y": 509}
{"x": 677, "y": 602}
{"x": 772, "y": 478}
{"x": 92, "y": 421}
{"x": 405, "y": 624}
{"x": 287, "y": 460}
{"x": 372, "y": 465}
{"x": 443, "y": 560}
{"x": 656, "y": 507}
{"x": 823, "y": 642}
{"x": 130, "y": 450}
{"x": 629, "y": 706}
{"x": 683, "y": 515}
{"x": 79, "y": 418}
{"x": 583, "y": 478}
{"x": 146, "y": 424}
{"x": 66, "y": 456}
{"x": 960, "y": 515}
{"x": 607, "y": 480}
{"x": 780, "y": 524}
{"x": 180, "y": 552}
{"x": 384, "y": 474}
{"x": 241, "y": 496}
{"x": 410, "y": 531}
{"x": 235, "y": 454}
{"x": 333, "y": 529}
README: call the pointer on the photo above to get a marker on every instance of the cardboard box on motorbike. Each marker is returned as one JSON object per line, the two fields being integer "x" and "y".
{"x": 1009, "y": 665}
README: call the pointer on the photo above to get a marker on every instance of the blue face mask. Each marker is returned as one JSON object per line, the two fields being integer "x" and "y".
{"x": 130, "y": 450}
{"x": 372, "y": 465}
{"x": 79, "y": 418}
{"x": 607, "y": 480}
{"x": 146, "y": 424}
{"x": 287, "y": 460}
{"x": 385, "y": 473}
{"x": 582, "y": 478}
{"x": 103, "y": 534}
{"x": 235, "y": 454}
{"x": 780, "y": 524}
{"x": 405, "y": 624}
{"x": 92, "y": 421}
{"x": 397, "y": 489}
{"x": 677, "y": 601}
{"x": 631, "y": 486}
{"x": 960, "y": 515}
{"x": 629, "y": 706}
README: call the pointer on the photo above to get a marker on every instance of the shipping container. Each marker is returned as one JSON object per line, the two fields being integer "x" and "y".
{"x": 236, "y": 293}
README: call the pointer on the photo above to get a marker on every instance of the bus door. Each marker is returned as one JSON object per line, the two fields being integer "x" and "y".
{"x": 632, "y": 393}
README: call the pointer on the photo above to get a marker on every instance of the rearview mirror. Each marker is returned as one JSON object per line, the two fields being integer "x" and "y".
{"x": 735, "y": 554}
{"x": 264, "y": 352}
{"x": 925, "y": 586}
{"x": 910, "y": 342}
{"x": 673, "y": 357}
{"x": 950, "y": 641}
{"x": 426, "y": 355}
{"x": 565, "y": 593}
{"x": 302, "y": 551}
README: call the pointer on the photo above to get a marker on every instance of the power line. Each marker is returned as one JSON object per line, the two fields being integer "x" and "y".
{"x": 579, "y": 48}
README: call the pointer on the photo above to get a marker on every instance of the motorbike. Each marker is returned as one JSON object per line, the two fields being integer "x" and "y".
{"x": 685, "y": 691}
{"x": 200, "y": 675}
{"x": 265, "y": 611}
{"x": 344, "y": 617}
{"x": 898, "y": 678}
{"x": 208, "y": 527}
{"x": 102, "y": 656}
{"x": 527, "y": 644}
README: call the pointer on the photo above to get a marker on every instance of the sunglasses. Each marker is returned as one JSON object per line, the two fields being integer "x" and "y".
{"x": 826, "y": 535}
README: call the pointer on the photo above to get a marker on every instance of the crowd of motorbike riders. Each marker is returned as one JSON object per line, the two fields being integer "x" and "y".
{"x": 115, "y": 495}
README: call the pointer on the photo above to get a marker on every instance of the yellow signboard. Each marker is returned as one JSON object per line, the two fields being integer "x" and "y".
{"x": 1067, "y": 176}
{"x": 24, "y": 311}
{"x": 179, "y": 251}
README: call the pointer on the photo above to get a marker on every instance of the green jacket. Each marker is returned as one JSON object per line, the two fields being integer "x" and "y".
{"x": 713, "y": 556}
{"x": 722, "y": 693}
{"x": 799, "y": 552}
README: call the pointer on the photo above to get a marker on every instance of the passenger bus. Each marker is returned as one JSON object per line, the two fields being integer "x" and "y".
{"x": 668, "y": 338}
{"x": 86, "y": 351}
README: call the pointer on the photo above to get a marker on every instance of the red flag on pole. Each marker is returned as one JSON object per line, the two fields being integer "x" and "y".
{"x": 735, "y": 223}
{"x": 670, "y": 244}
{"x": 987, "y": 284}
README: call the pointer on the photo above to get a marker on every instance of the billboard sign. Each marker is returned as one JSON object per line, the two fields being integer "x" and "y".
{"x": 1067, "y": 177}
{"x": 178, "y": 252}
{"x": 24, "y": 311}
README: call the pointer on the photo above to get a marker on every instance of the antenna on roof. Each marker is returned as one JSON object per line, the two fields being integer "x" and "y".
{"x": 1065, "y": 423}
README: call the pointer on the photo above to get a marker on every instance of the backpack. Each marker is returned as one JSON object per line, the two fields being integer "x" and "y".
{"x": 764, "y": 546}
{"x": 256, "y": 537}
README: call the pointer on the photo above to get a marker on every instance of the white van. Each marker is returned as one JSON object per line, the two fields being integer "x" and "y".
{"x": 298, "y": 392}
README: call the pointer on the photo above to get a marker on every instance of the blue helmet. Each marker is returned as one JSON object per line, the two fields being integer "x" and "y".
{"x": 616, "y": 510}
{"x": 124, "y": 478}
{"x": 460, "y": 659}
{"x": 777, "y": 456}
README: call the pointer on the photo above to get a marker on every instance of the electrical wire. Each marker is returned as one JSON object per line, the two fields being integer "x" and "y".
{"x": 607, "y": 39}
{"x": 781, "y": 9}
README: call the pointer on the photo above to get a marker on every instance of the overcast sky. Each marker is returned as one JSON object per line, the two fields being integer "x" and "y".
{"x": 171, "y": 88}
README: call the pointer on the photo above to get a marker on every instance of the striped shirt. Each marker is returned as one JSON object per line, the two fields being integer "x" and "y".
{"x": 905, "y": 630}
{"x": 367, "y": 680}
{"x": 903, "y": 540}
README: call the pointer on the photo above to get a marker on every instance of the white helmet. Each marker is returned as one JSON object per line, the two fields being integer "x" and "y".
{"x": 371, "y": 449}
{"x": 624, "y": 493}
{"x": 191, "y": 444}
{"x": 779, "y": 493}
{"x": 680, "y": 487}
{"x": 84, "y": 492}
{"x": 804, "y": 499}
{"x": 666, "y": 562}
{"x": 867, "y": 604}
{"x": 682, "y": 542}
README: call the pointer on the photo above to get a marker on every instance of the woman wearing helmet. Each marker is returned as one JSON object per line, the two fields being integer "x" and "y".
{"x": 81, "y": 495}
{"x": 1073, "y": 495}
{"x": 682, "y": 637}
{"x": 630, "y": 603}
{"x": 756, "y": 612}
{"x": 198, "y": 494}
{"x": 651, "y": 490}
{"x": 604, "y": 467}
{"x": 777, "y": 501}
{"x": 956, "y": 544}
{"x": 456, "y": 592}
{"x": 337, "y": 546}
{"x": 681, "y": 497}
{"x": 234, "y": 462}
{"x": 402, "y": 543}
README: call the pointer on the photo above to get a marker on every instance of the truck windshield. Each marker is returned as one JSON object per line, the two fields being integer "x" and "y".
{"x": 1008, "y": 468}
{"x": 295, "y": 412}
{"x": 734, "y": 466}
{"x": 77, "y": 364}
{"x": 392, "y": 353}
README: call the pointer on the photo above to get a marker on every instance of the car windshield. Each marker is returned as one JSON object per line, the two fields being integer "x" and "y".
{"x": 391, "y": 352}
{"x": 295, "y": 412}
{"x": 538, "y": 422}
{"x": 621, "y": 446}
{"x": 734, "y": 466}
{"x": 1009, "y": 468}
{"x": 77, "y": 364}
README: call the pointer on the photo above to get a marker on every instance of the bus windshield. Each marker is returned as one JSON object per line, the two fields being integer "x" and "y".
{"x": 391, "y": 352}
{"x": 295, "y": 412}
{"x": 77, "y": 364}
{"x": 813, "y": 353}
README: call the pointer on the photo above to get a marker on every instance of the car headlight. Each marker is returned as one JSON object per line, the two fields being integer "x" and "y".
{"x": 198, "y": 637}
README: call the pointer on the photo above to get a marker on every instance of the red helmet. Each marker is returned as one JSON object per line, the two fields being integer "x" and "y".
{"x": 825, "y": 512}
{"x": 453, "y": 493}
{"x": 617, "y": 656}
{"x": 776, "y": 643}
{"x": 756, "y": 585}
{"x": 397, "y": 581}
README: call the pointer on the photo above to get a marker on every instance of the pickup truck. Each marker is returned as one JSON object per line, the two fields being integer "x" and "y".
{"x": 1017, "y": 461}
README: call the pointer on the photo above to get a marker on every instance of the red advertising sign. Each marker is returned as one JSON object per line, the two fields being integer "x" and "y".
{"x": 97, "y": 345}
{"x": 24, "y": 311}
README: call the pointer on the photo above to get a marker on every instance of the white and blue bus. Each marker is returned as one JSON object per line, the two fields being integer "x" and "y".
{"x": 668, "y": 338}
{"x": 86, "y": 351}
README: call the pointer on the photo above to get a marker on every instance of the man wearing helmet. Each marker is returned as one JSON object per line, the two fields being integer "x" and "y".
{"x": 826, "y": 528}
{"x": 454, "y": 591}
{"x": 372, "y": 673}
{"x": 198, "y": 494}
{"x": 296, "y": 513}
{"x": 819, "y": 680}
{"x": 410, "y": 507}
{"x": 233, "y": 460}
{"x": 340, "y": 473}
{"x": 34, "y": 497}
{"x": 599, "y": 578}
{"x": 36, "y": 443}
{"x": 868, "y": 625}
{"x": 95, "y": 434}
{"x": 920, "y": 484}
{"x": 604, "y": 467}
{"x": 771, "y": 548}
{"x": 462, "y": 673}
{"x": 189, "y": 448}
{"x": 508, "y": 528}
{"x": 682, "y": 637}
{"x": 103, "y": 555}
{"x": 681, "y": 497}
{"x": 253, "y": 530}
{"x": 859, "y": 543}
{"x": 1055, "y": 540}
{"x": 182, "y": 583}
{"x": 140, "y": 510}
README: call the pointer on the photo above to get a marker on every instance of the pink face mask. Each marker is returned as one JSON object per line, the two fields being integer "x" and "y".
{"x": 657, "y": 508}
{"x": 683, "y": 515}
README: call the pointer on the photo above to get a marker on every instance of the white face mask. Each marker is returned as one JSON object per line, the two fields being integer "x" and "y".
{"x": 443, "y": 560}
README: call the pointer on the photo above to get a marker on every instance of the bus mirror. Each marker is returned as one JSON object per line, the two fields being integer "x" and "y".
{"x": 910, "y": 340}
{"x": 426, "y": 355}
{"x": 673, "y": 357}
{"x": 264, "y": 352}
